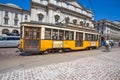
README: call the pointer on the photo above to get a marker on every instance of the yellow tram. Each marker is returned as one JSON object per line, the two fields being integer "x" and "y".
{"x": 41, "y": 37}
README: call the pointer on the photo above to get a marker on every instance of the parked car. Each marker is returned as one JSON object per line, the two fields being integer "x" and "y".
{"x": 9, "y": 41}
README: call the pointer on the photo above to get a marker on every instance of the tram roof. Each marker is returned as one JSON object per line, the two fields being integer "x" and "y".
{"x": 69, "y": 26}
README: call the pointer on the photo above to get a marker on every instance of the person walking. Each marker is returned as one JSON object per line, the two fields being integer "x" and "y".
{"x": 108, "y": 46}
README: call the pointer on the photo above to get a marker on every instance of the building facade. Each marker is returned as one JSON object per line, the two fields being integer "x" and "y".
{"x": 108, "y": 29}
{"x": 61, "y": 11}
{"x": 10, "y": 18}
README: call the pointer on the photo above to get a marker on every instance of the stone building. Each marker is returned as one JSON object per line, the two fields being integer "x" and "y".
{"x": 108, "y": 29}
{"x": 61, "y": 11}
{"x": 10, "y": 18}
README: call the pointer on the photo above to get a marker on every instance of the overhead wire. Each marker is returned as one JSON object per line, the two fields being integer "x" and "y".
{"x": 92, "y": 7}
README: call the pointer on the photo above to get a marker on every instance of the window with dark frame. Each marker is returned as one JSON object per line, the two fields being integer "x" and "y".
{"x": 87, "y": 24}
{"x": 71, "y": 35}
{"x": 74, "y": 21}
{"x": 61, "y": 35}
{"x": 57, "y": 17}
{"x": 55, "y": 34}
{"x": 81, "y": 23}
{"x": 26, "y": 17}
{"x": 6, "y": 13}
{"x": 66, "y": 35}
{"x": 88, "y": 37}
{"x": 40, "y": 17}
{"x": 16, "y": 15}
{"x": 6, "y": 21}
{"x": 47, "y": 33}
{"x": 15, "y": 22}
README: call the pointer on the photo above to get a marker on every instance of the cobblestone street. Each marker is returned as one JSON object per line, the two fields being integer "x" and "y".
{"x": 99, "y": 67}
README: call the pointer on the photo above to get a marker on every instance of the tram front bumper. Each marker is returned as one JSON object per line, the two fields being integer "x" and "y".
{"x": 29, "y": 51}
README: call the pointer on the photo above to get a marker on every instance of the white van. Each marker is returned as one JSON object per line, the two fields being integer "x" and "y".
{"x": 9, "y": 41}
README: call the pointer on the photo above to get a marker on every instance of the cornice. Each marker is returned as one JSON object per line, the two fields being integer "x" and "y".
{"x": 84, "y": 8}
{"x": 38, "y": 4}
{"x": 65, "y": 10}
{"x": 54, "y": 7}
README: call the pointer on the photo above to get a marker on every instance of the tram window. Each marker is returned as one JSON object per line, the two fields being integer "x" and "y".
{"x": 26, "y": 34}
{"x": 66, "y": 35}
{"x": 92, "y": 37}
{"x": 55, "y": 34}
{"x": 96, "y": 37}
{"x": 47, "y": 33}
{"x": 27, "y": 29}
{"x": 34, "y": 34}
{"x": 38, "y": 34}
{"x": 61, "y": 35}
{"x": 31, "y": 34}
{"x": 71, "y": 36}
{"x": 86, "y": 36}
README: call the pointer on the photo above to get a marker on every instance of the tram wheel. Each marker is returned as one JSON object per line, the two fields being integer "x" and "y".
{"x": 45, "y": 52}
{"x": 60, "y": 50}
{"x": 90, "y": 48}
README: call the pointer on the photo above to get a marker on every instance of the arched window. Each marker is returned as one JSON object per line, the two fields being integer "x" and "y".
{"x": 87, "y": 24}
{"x": 5, "y": 31}
{"x": 40, "y": 17}
{"x": 81, "y": 23}
{"x": 15, "y": 31}
{"x": 67, "y": 19}
{"x": 75, "y": 21}
{"x": 57, "y": 17}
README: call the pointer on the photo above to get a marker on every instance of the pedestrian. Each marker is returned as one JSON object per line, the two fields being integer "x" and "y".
{"x": 103, "y": 43}
{"x": 106, "y": 45}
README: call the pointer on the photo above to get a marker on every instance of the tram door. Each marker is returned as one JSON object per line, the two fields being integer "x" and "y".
{"x": 32, "y": 37}
{"x": 79, "y": 39}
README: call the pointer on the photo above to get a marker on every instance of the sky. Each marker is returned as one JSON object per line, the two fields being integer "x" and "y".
{"x": 102, "y": 9}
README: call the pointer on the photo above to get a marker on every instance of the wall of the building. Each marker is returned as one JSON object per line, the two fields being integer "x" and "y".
{"x": 108, "y": 30}
{"x": 11, "y": 15}
{"x": 49, "y": 14}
